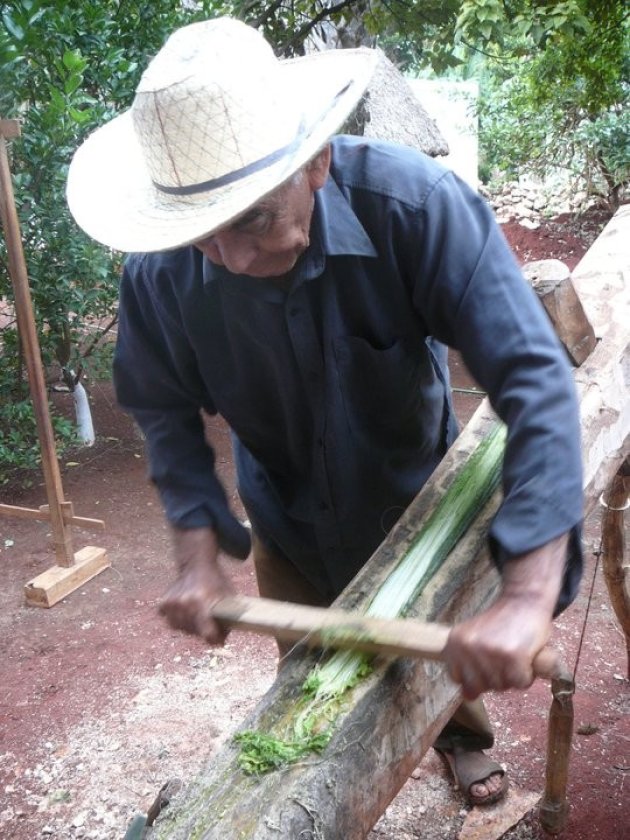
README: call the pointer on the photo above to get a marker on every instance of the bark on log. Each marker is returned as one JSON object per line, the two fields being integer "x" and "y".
{"x": 551, "y": 280}
{"x": 394, "y": 715}
{"x": 616, "y": 573}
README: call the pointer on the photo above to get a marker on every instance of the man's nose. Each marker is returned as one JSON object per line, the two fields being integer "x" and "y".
{"x": 237, "y": 253}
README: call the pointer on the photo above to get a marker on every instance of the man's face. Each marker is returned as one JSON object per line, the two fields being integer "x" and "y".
{"x": 269, "y": 238}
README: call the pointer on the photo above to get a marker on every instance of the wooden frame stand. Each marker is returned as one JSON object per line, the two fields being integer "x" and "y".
{"x": 72, "y": 570}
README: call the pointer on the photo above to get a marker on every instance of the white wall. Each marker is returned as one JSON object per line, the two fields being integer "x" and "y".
{"x": 453, "y": 107}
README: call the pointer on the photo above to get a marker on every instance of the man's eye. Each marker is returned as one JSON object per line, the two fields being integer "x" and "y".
{"x": 256, "y": 223}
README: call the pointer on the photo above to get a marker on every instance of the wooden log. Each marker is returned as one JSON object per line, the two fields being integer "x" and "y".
{"x": 551, "y": 280}
{"x": 393, "y": 716}
{"x": 602, "y": 281}
{"x": 390, "y": 718}
{"x": 615, "y": 565}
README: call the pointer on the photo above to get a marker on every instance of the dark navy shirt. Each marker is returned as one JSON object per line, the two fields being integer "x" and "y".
{"x": 336, "y": 389}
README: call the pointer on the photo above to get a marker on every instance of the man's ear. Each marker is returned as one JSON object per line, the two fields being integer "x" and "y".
{"x": 317, "y": 169}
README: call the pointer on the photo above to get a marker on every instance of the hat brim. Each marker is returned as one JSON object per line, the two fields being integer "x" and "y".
{"x": 112, "y": 197}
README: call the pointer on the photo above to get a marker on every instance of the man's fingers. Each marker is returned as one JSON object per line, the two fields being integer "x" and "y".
{"x": 192, "y": 617}
{"x": 195, "y": 623}
{"x": 489, "y": 670}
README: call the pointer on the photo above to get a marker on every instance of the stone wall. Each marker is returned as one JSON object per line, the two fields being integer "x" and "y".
{"x": 529, "y": 200}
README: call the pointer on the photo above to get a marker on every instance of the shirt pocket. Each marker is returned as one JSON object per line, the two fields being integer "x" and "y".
{"x": 391, "y": 396}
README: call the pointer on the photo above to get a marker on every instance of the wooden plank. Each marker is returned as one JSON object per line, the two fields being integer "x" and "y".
{"x": 42, "y": 514}
{"x": 55, "y": 583}
{"x": 85, "y": 522}
{"x": 393, "y": 716}
{"x": 23, "y": 512}
{"x": 338, "y": 629}
{"x": 335, "y": 628}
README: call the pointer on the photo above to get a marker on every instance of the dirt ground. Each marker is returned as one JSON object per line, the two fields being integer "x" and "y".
{"x": 101, "y": 703}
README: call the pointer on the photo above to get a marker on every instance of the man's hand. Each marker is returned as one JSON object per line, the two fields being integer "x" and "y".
{"x": 495, "y": 650}
{"x": 200, "y": 584}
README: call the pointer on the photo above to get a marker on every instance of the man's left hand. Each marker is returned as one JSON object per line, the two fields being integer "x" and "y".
{"x": 495, "y": 650}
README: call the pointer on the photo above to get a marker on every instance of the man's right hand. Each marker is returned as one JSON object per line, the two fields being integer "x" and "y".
{"x": 199, "y": 585}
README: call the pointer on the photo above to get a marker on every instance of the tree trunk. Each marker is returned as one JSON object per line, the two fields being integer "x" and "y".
{"x": 392, "y": 717}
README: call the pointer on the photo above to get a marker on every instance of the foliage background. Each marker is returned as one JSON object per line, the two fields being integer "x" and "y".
{"x": 65, "y": 68}
{"x": 554, "y": 78}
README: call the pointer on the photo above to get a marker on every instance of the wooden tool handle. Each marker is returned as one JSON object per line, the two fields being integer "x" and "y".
{"x": 336, "y": 628}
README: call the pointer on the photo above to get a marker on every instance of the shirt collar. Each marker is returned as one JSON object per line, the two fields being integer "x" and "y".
{"x": 340, "y": 230}
{"x": 335, "y": 231}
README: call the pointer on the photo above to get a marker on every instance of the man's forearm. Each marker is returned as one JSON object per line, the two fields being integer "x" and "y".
{"x": 194, "y": 546}
{"x": 536, "y": 577}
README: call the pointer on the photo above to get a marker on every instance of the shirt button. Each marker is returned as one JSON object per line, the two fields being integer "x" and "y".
{"x": 294, "y": 311}
{"x": 322, "y": 505}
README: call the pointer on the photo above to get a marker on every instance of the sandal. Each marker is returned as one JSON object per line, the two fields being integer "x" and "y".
{"x": 472, "y": 768}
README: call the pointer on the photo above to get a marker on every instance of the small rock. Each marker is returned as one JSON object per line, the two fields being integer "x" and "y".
{"x": 79, "y": 820}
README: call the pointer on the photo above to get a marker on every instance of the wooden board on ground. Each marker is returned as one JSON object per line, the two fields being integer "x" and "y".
{"x": 55, "y": 583}
{"x": 393, "y": 716}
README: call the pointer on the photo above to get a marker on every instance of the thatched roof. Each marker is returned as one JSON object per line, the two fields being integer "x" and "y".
{"x": 389, "y": 110}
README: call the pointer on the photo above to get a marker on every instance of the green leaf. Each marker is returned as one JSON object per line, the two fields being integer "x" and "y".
{"x": 57, "y": 99}
{"x": 72, "y": 83}
{"x": 82, "y": 117}
{"x": 73, "y": 60}
{"x": 14, "y": 28}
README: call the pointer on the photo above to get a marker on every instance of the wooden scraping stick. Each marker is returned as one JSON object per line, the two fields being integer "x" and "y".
{"x": 331, "y": 627}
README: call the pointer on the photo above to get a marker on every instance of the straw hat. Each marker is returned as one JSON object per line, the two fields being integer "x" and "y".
{"x": 217, "y": 123}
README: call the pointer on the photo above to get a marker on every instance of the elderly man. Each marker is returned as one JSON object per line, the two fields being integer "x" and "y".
{"x": 305, "y": 288}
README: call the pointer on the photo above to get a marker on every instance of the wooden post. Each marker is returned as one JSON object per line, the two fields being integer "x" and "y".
{"x": 615, "y": 563}
{"x": 554, "y": 808}
{"x": 62, "y": 536}
{"x": 71, "y": 570}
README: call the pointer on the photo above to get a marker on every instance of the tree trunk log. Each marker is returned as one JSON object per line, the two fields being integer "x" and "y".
{"x": 616, "y": 574}
{"x": 551, "y": 279}
{"x": 393, "y": 716}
